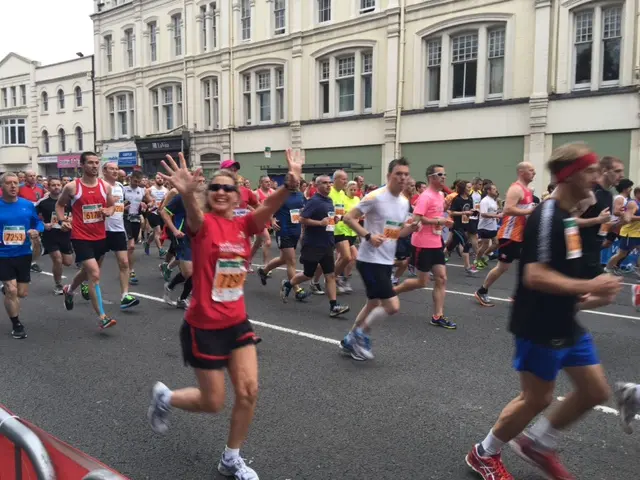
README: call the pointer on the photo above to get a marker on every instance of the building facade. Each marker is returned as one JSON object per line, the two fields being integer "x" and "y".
{"x": 475, "y": 85}
{"x": 46, "y": 114}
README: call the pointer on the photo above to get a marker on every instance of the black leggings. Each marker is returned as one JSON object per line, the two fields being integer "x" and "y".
{"x": 459, "y": 237}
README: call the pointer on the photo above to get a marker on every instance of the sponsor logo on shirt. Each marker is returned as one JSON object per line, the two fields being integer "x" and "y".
{"x": 236, "y": 248}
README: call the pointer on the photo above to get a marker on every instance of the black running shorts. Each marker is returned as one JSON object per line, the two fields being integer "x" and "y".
{"x": 377, "y": 280}
{"x": 16, "y": 268}
{"x": 88, "y": 249}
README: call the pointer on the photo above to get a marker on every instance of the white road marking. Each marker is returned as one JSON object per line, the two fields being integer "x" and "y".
{"x": 262, "y": 324}
{"x": 50, "y": 274}
{"x": 604, "y": 409}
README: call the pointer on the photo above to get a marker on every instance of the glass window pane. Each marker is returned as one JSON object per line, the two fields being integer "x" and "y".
{"x": 496, "y": 75}
{"x": 433, "y": 87}
{"x": 368, "y": 92}
{"x": 325, "y": 97}
{"x": 584, "y": 26}
{"x": 346, "y": 95}
{"x": 611, "y": 60}
{"x": 265, "y": 106}
{"x": 434, "y": 53}
{"x": 583, "y": 63}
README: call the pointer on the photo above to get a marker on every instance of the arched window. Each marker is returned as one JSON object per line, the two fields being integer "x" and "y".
{"x": 78, "y": 95}
{"x": 62, "y": 141}
{"x": 263, "y": 95}
{"x": 45, "y": 141}
{"x": 45, "y": 102}
{"x": 79, "y": 140}
{"x": 60, "y": 99}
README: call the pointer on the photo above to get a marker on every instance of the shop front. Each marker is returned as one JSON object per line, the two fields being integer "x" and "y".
{"x": 48, "y": 166}
{"x": 153, "y": 150}
{"x": 68, "y": 165}
{"x": 127, "y": 161}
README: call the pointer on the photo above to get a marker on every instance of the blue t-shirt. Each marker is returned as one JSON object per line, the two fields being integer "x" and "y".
{"x": 295, "y": 202}
{"x": 318, "y": 208}
{"x": 16, "y": 219}
{"x": 176, "y": 209}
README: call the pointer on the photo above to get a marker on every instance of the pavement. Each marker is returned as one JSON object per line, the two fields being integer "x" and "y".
{"x": 412, "y": 413}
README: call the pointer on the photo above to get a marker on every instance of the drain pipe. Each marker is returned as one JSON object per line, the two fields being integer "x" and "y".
{"x": 400, "y": 85}
{"x": 232, "y": 74}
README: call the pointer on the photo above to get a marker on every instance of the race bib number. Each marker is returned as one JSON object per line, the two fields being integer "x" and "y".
{"x": 295, "y": 216}
{"x": 332, "y": 222}
{"x": 228, "y": 282}
{"x": 240, "y": 212}
{"x": 476, "y": 206}
{"x": 54, "y": 220}
{"x": 339, "y": 210}
{"x": 392, "y": 230}
{"x": 92, "y": 213}
{"x": 119, "y": 208}
{"x": 13, "y": 235}
{"x": 465, "y": 219}
{"x": 572, "y": 239}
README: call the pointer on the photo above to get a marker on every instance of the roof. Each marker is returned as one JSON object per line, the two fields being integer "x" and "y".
{"x": 19, "y": 57}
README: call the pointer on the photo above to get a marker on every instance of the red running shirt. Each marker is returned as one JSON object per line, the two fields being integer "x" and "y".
{"x": 33, "y": 194}
{"x": 247, "y": 198}
{"x": 220, "y": 249}
{"x": 86, "y": 211}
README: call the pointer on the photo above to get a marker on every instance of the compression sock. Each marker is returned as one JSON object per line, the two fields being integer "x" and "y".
{"x": 186, "y": 289}
{"x": 15, "y": 321}
{"x": 176, "y": 280}
{"x": 99, "y": 299}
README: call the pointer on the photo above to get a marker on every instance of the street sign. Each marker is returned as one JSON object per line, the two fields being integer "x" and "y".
{"x": 267, "y": 152}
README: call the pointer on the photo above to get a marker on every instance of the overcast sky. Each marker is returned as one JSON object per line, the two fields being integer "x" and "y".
{"x": 46, "y": 31}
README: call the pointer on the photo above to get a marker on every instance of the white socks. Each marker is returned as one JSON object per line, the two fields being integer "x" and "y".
{"x": 492, "y": 444}
{"x": 231, "y": 452}
{"x": 376, "y": 315}
{"x": 545, "y": 434}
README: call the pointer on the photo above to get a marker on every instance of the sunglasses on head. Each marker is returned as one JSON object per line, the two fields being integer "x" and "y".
{"x": 214, "y": 187}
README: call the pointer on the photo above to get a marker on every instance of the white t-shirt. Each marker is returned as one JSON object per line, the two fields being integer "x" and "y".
{"x": 134, "y": 196}
{"x": 115, "y": 223}
{"x": 488, "y": 205}
{"x": 158, "y": 195}
{"x": 385, "y": 214}
{"x": 476, "y": 198}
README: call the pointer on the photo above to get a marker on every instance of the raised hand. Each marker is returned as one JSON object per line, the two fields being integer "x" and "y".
{"x": 180, "y": 177}
{"x": 295, "y": 161}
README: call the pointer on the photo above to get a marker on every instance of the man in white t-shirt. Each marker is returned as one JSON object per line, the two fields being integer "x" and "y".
{"x": 386, "y": 212}
{"x": 488, "y": 226}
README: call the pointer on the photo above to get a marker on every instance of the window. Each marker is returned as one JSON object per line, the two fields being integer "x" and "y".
{"x": 214, "y": 26}
{"x": 121, "y": 115}
{"x": 367, "y": 6}
{"x": 583, "y": 47}
{"x": 210, "y": 162}
{"x": 79, "y": 140}
{"x": 246, "y": 83}
{"x": 208, "y": 27}
{"x": 204, "y": 31}
{"x": 346, "y": 84}
{"x": 210, "y": 107}
{"x": 279, "y": 17}
{"x": 14, "y": 97}
{"x": 245, "y": 19}
{"x": 280, "y": 95}
{"x": 108, "y": 52}
{"x": 45, "y": 102}
{"x": 324, "y": 11}
{"x": 367, "y": 81}
{"x": 78, "y": 96}
{"x": 464, "y": 59}
{"x": 176, "y": 22}
{"x": 128, "y": 42}
{"x": 23, "y": 95}
{"x": 45, "y": 141}
{"x": 14, "y": 131}
{"x": 264, "y": 95}
{"x": 5, "y": 98}
{"x": 62, "y": 140}
{"x": 166, "y": 104}
{"x": 495, "y": 56}
{"x": 325, "y": 73}
{"x": 60, "y": 99}
{"x": 153, "y": 41}
{"x": 611, "y": 41}
{"x": 434, "y": 56}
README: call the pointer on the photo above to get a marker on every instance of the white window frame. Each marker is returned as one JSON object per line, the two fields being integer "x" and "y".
{"x": 79, "y": 134}
{"x": 44, "y": 98}
{"x": 60, "y": 100}
{"x": 129, "y": 47}
{"x": 23, "y": 95}
{"x": 433, "y": 61}
{"x": 108, "y": 52}
{"x": 62, "y": 140}
{"x": 251, "y": 93}
{"x": 120, "y": 106}
{"x": 281, "y": 95}
{"x": 77, "y": 96}
{"x": 176, "y": 23}
{"x": 214, "y": 25}
{"x": 46, "y": 147}
{"x": 152, "y": 29}
{"x": 494, "y": 53}
{"x": 211, "y": 103}
{"x": 14, "y": 96}
{"x": 264, "y": 81}
{"x": 323, "y": 11}
{"x": 246, "y": 24}
{"x": 279, "y": 13}
{"x": 166, "y": 104}
{"x": 13, "y": 127}
{"x": 367, "y": 6}
{"x": 247, "y": 100}
{"x": 5, "y": 98}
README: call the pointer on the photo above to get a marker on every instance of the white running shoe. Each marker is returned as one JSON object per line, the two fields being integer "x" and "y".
{"x": 236, "y": 467}
{"x": 158, "y": 413}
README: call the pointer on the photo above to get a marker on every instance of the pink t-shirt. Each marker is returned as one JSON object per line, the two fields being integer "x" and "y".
{"x": 430, "y": 204}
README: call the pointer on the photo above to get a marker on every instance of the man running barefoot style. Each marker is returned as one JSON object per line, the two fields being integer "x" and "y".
{"x": 217, "y": 334}
{"x": 91, "y": 202}
{"x": 386, "y": 211}
{"x": 518, "y": 206}
{"x": 20, "y": 227}
{"x": 56, "y": 240}
{"x": 548, "y": 337}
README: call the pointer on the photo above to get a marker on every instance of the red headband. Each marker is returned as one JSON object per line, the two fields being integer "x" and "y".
{"x": 579, "y": 164}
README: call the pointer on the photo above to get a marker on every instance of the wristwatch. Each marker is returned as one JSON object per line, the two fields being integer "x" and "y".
{"x": 367, "y": 237}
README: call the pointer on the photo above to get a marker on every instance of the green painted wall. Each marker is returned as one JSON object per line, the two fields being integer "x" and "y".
{"x": 615, "y": 143}
{"x": 493, "y": 158}
{"x": 366, "y": 155}
{"x": 250, "y": 164}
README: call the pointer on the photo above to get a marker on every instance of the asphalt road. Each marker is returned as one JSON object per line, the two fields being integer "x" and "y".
{"x": 412, "y": 413}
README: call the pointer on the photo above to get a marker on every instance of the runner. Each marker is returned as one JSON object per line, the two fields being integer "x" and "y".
{"x": 157, "y": 193}
{"x": 21, "y": 229}
{"x": 386, "y": 211}
{"x": 461, "y": 210}
{"x": 216, "y": 334}
{"x": 548, "y": 337}
{"x": 517, "y": 207}
{"x": 264, "y": 239}
{"x": 627, "y": 398}
{"x": 427, "y": 249}
{"x": 343, "y": 243}
{"x": 135, "y": 204}
{"x": 91, "y": 201}
{"x": 31, "y": 189}
{"x": 56, "y": 240}
{"x": 472, "y": 228}
{"x": 624, "y": 188}
{"x": 488, "y": 226}
{"x": 318, "y": 244}
{"x": 629, "y": 233}
{"x": 346, "y": 241}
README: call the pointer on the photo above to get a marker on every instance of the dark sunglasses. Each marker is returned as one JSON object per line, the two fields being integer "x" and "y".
{"x": 214, "y": 187}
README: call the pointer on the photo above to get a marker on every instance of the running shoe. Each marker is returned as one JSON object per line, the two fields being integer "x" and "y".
{"x": 263, "y": 276}
{"x": 35, "y": 268}
{"x": 394, "y": 280}
{"x": 18, "y": 332}
{"x": 236, "y": 467}
{"x": 316, "y": 289}
{"x": 68, "y": 298}
{"x": 489, "y": 467}
{"x": 347, "y": 285}
{"x": 443, "y": 322}
{"x": 545, "y": 459}
{"x": 347, "y": 347}
{"x": 106, "y": 322}
{"x": 128, "y": 301}
{"x": 625, "y": 398}
{"x": 340, "y": 285}
{"x": 147, "y": 248}
{"x": 270, "y": 274}
{"x": 84, "y": 291}
{"x": 471, "y": 271}
{"x": 285, "y": 290}
{"x": 57, "y": 290}
{"x": 302, "y": 295}
{"x": 162, "y": 253}
{"x": 362, "y": 345}
{"x": 494, "y": 256}
{"x": 167, "y": 295}
{"x": 158, "y": 413}
{"x": 412, "y": 271}
{"x": 133, "y": 280}
{"x": 166, "y": 272}
{"x": 183, "y": 304}
{"x": 338, "y": 310}
{"x": 483, "y": 299}
{"x": 479, "y": 264}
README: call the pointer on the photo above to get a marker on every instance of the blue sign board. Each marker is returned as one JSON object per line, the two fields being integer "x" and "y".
{"x": 127, "y": 159}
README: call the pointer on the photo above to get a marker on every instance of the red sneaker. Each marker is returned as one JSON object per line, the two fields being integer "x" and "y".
{"x": 543, "y": 458}
{"x": 489, "y": 468}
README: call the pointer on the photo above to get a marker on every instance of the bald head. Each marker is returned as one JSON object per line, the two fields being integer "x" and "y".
{"x": 110, "y": 171}
{"x": 30, "y": 177}
{"x": 526, "y": 172}
{"x": 340, "y": 179}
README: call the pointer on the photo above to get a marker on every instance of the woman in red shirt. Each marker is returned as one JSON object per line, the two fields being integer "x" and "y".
{"x": 216, "y": 334}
